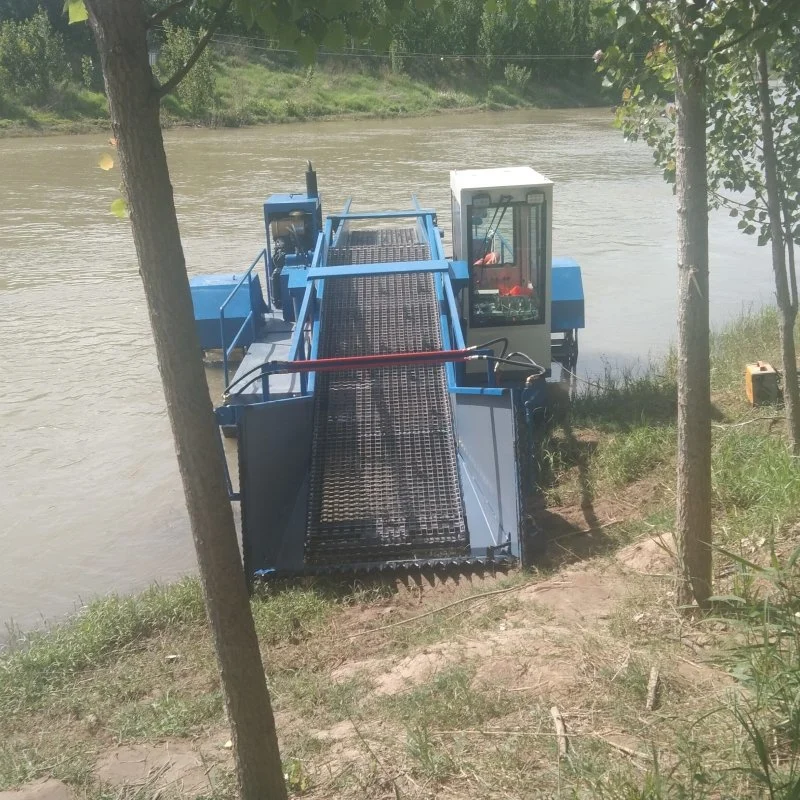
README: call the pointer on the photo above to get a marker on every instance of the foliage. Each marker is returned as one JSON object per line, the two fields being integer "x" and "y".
{"x": 517, "y": 77}
{"x": 736, "y": 159}
{"x": 32, "y": 57}
{"x": 766, "y": 660}
{"x": 88, "y": 72}
{"x": 196, "y": 90}
{"x": 428, "y": 38}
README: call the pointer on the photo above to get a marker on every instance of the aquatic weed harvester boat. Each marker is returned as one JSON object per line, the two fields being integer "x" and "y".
{"x": 386, "y": 393}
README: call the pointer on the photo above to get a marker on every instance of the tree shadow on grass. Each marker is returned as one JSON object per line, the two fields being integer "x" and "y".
{"x": 567, "y": 442}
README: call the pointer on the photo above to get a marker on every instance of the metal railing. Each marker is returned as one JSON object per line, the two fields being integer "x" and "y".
{"x": 302, "y": 345}
{"x": 250, "y": 319}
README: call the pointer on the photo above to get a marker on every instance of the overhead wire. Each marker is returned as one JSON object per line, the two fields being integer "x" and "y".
{"x": 361, "y": 52}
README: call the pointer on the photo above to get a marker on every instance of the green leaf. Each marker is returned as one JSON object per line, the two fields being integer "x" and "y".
{"x": 335, "y": 36}
{"x": 381, "y": 38}
{"x": 266, "y": 19}
{"x": 119, "y": 208}
{"x": 306, "y": 49}
{"x": 76, "y": 10}
{"x": 739, "y": 559}
{"x": 728, "y": 599}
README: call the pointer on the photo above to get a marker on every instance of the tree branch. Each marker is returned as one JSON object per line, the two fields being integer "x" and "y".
{"x": 180, "y": 74}
{"x": 730, "y": 202}
{"x": 766, "y": 20}
{"x": 159, "y": 16}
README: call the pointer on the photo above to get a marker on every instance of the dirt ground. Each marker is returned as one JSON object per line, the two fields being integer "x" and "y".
{"x": 543, "y": 643}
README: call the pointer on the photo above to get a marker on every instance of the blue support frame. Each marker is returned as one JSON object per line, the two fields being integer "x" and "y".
{"x": 250, "y": 319}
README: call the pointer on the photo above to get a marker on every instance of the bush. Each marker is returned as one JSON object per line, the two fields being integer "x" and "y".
{"x": 517, "y": 77}
{"x": 500, "y": 96}
{"x": 32, "y": 58}
{"x": 10, "y": 107}
{"x": 197, "y": 90}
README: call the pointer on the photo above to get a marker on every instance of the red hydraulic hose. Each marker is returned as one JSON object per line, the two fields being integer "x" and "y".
{"x": 372, "y": 361}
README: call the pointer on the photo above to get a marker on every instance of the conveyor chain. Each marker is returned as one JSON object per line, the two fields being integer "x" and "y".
{"x": 384, "y": 479}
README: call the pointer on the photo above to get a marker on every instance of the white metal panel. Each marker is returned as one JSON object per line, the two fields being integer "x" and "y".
{"x": 513, "y": 182}
{"x": 498, "y": 177}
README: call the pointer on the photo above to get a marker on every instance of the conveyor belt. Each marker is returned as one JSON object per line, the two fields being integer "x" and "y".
{"x": 380, "y": 246}
{"x": 384, "y": 480}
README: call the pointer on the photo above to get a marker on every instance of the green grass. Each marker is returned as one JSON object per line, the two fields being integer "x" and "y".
{"x": 630, "y": 456}
{"x": 69, "y": 109}
{"x": 290, "y": 616}
{"x": 40, "y": 663}
{"x": 252, "y": 92}
{"x": 449, "y": 699}
{"x": 172, "y": 715}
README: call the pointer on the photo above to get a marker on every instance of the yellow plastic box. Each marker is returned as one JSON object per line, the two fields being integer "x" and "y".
{"x": 761, "y": 383}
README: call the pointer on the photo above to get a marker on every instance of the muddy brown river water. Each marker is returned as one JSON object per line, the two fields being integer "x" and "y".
{"x": 90, "y": 500}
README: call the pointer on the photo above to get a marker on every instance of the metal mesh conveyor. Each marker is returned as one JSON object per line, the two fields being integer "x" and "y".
{"x": 384, "y": 480}
{"x": 378, "y": 247}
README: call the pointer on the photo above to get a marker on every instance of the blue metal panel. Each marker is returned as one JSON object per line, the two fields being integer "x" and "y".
{"x": 297, "y": 282}
{"x": 274, "y": 457}
{"x": 459, "y": 274}
{"x": 377, "y": 269}
{"x": 209, "y": 292}
{"x": 567, "y": 298}
{"x": 278, "y": 203}
{"x": 488, "y": 391}
{"x": 490, "y": 482}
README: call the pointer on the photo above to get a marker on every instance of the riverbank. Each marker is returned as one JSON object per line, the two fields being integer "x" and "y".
{"x": 257, "y": 93}
{"x": 420, "y": 690}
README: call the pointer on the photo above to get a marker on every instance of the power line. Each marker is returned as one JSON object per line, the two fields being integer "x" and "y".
{"x": 440, "y": 56}
{"x": 265, "y": 46}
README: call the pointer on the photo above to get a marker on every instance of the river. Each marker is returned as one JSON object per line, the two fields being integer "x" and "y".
{"x": 90, "y": 498}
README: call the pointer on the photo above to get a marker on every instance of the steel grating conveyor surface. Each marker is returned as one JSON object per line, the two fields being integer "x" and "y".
{"x": 378, "y": 247}
{"x": 384, "y": 479}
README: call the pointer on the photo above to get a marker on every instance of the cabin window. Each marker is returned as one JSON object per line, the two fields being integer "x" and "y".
{"x": 506, "y": 258}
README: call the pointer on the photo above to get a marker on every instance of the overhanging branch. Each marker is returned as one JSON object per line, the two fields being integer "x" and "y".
{"x": 766, "y": 19}
{"x": 180, "y": 74}
{"x": 159, "y": 16}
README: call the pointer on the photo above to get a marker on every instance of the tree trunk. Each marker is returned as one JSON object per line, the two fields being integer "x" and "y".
{"x": 787, "y": 310}
{"x": 119, "y": 26}
{"x": 693, "y": 523}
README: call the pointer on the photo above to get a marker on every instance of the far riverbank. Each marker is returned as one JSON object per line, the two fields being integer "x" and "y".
{"x": 250, "y": 94}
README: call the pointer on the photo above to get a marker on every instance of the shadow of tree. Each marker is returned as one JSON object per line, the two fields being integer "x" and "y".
{"x": 567, "y": 442}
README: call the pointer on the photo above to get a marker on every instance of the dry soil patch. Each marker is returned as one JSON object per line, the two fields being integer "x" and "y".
{"x": 41, "y": 790}
{"x": 181, "y": 766}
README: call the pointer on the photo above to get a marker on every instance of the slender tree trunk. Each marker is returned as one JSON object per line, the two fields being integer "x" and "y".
{"x": 693, "y": 524}
{"x": 119, "y": 26}
{"x": 786, "y": 308}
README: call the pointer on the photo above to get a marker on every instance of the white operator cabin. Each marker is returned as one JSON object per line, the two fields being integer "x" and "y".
{"x": 502, "y": 226}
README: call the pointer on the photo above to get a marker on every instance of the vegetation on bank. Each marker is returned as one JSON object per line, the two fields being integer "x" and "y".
{"x": 452, "y": 690}
{"x": 473, "y": 58}
{"x": 251, "y": 93}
